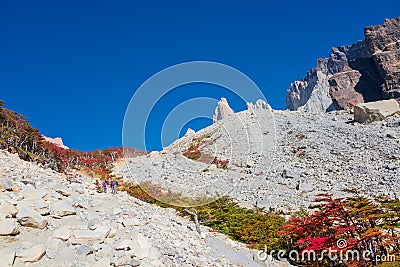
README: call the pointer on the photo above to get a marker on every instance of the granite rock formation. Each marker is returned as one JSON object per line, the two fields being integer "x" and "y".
{"x": 362, "y": 72}
{"x": 384, "y": 43}
{"x": 222, "y": 110}
{"x": 260, "y": 104}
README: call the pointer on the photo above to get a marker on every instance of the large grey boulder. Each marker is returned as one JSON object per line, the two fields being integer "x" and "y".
{"x": 375, "y": 111}
{"x": 28, "y": 217}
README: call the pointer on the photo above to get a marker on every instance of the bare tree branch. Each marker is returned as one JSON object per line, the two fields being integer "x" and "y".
{"x": 194, "y": 216}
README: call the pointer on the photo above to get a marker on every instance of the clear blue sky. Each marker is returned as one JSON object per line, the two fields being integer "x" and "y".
{"x": 72, "y": 66}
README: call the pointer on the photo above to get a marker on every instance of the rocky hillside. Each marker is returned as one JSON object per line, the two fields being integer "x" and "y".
{"x": 302, "y": 155}
{"x": 46, "y": 220}
{"x": 366, "y": 71}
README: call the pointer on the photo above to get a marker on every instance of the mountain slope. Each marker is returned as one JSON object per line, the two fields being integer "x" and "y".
{"x": 59, "y": 223}
{"x": 303, "y": 154}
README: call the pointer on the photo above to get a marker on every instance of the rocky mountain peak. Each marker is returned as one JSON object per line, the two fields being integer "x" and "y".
{"x": 365, "y": 71}
{"x": 56, "y": 141}
{"x": 260, "y": 104}
{"x": 190, "y": 132}
{"x": 222, "y": 110}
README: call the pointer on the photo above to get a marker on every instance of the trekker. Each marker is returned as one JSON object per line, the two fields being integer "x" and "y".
{"x": 104, "y": 184}
{"x": 109, "y": 184}
{"x": 112, "y": 187}
{"x": 115, "y": 186}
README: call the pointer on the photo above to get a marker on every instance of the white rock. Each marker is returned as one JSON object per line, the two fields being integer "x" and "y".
{"x": 260, "y": 104}
{"x": 124, "y": 260}
{"x": 102, "y": 262}
{"x": 62, "y": 208}
{"x": 307, "y": 187}
{"x": 113, "y": 232}
{"x": 65, "y": 256}
{"x": 101, "y": 232}
{"x": 117, "y": 211}
{"x": 135, "y": 263}
{"x": 154, "y": 253}
{"x": 52, "y": 248}
{"x": 5, "y": 184}
{"x": 84, "y": 250}
{"x": 105, "y": 251}
{"x": 42, "y": 206}
{"x": 140, "y": 245}
{"x": 8, "y": 227}
{"x": 7, "y": 256}
{"x": 222, "y": 110}
{"x": 376, "y": 111}
{"x": 189, "y": 132}
{"x": 124, "y": 244}
{"x": 131, "y": 222}
{"x": 30, "y": 192}
{"x": 28, "y": 217}
{"x": 63, "y": 233}
{"x": 146, "y": 264}
{"x": 7, "y": 209}
{"x": 157, "y": 263}
{"x": 64, "y": 192}
{"x": 78, "y": 188}
{"x": 33, "y": 254}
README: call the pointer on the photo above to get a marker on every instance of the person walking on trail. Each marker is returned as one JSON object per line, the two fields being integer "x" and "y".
{"x": 114, "y": 186}
{"x": 104, "y": 185}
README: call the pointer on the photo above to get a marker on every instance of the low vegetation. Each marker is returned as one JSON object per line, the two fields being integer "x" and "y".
{"x": 353, "y": 224}
{"x": 252, "y": 227}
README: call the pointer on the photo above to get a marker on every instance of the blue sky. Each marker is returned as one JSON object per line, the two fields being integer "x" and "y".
{"x": 73, "y": 66}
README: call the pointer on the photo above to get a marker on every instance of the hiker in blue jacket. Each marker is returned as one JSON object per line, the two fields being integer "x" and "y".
{"x": 114, "y": 186}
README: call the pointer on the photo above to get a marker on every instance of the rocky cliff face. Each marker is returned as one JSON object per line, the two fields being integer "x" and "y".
{"x": 362, "y": 72}
{"x": 384, "y": 43}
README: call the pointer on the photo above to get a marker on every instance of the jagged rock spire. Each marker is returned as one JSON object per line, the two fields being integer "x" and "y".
{"x": 222, "y": 110}
{"x": 260, "y": 104}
